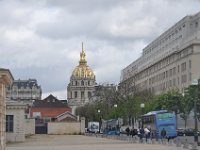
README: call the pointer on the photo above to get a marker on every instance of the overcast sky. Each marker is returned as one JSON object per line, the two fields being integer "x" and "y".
{"x": 41, "y": 39}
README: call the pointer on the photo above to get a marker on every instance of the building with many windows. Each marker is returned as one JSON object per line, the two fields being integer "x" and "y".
{"x": 170, "y": 61}
{"x": 82, "y": 84}
{"x": 24, "y": 90}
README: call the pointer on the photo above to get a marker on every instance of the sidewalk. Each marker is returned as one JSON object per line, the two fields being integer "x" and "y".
{"x": 79, "y": 142}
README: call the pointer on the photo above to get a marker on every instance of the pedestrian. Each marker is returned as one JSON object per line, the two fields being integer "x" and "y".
{"x": 141, "y": 134}
{"x": 147, "y": 133}
{"x": 163, "y": 134}
{"x": 127, "y": 131}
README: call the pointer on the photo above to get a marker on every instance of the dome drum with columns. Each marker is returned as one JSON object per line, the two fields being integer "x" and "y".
{"x": 82, "y": 83}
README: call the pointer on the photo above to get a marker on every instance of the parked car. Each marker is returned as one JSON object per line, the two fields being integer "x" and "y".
{"x": 189, "y": 132}
{"x": 180, "y": 132}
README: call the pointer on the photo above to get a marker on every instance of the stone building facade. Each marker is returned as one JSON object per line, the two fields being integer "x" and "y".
{"x": 82, "y": 84}
{"x": 24, "y": 90}
{"x": 170, "y": 61}
{"x": 6, "y": 79}
{"x": 15, "y": 121}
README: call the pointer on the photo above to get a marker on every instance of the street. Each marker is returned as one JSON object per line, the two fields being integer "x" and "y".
{"x": 80, "y": 142}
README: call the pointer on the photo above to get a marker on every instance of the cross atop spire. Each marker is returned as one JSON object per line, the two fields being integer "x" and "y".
{"x": 82, "y": 48}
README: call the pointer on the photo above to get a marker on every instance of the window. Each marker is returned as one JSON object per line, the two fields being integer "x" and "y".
{"x": 190, "y": 64}
{"x": 89, "y": 94}
{"x": 88, "y": 82}
{"x": 76, "y": 83}
{"x": 75, "y": 94}
{"x": 170, "y": 72}
{"x": 190, "y": 76}
{"x": 178, "y": 68}
{"x": 174, "y": 70}
{"x": 9, "y": 123}
{"x": 184, "y": 78}
{"x": 82, "y": 94}
{"x": 183, "y": 66}
{"x": 82, "y": 83}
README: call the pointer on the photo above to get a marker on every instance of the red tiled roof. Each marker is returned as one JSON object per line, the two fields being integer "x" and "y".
{"x": 50, "y": 112}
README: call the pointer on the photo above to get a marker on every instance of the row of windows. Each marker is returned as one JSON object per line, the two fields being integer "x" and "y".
{"x": 165, "y": 39}
{"x": 164, "y": 63}
{"x": 159, "y": 65}
{"x": 82, "y": 94}
{"x": 82, "y": 83}
{"x": 169, "y": 73}
{"x": 171, "y": 83}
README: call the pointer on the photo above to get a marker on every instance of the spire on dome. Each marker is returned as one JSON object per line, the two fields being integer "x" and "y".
{"x": 82, "y": 57}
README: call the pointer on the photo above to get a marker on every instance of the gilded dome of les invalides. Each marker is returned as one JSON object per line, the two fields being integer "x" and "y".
{"x": 83, "y": 70}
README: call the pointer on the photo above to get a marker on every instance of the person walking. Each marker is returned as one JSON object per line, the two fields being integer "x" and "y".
{"x": 147, "y": 133}
{"x": 163, "y": 134}
{"x": 127, "y": 131}
{"x": 141, "y": 134}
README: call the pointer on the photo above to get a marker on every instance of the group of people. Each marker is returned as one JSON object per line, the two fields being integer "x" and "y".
{"x": 145, "y": 133}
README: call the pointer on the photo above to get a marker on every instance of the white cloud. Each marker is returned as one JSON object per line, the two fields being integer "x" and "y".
{"x": 42, "y": 39}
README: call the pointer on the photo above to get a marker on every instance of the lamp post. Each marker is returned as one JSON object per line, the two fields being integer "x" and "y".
{"x": 115, "y": 110}
{"x": 142, "y": 105}
{"x": 99, "y": 111}
{"x": 194, "y": 83}
{"x": 116, "y": 116}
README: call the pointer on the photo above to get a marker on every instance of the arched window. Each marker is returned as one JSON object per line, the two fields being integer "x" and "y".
{"x": 76, "y": 83}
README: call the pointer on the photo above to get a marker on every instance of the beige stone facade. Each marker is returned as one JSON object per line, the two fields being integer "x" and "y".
{"x": 6, "y": 79}
{"x": 170, "y": 61}
{"x": 29, "y": 126}
{"x": 16, "y": 111}
{"x": 67, "y": 127}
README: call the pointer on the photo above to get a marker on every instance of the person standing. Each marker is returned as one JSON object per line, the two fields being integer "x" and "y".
{"x": 147, "y": 133}
{"x": 127, "y": 131}
{"x": 163, "y": 134}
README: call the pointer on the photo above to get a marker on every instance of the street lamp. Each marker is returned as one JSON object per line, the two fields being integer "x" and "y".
{"x": 115, "y": 110}
{"x": 99, "y": 111}
{"x": 116, "y": 116}
{"x": 142, "y": 105}
{"x": 195, "y": 82}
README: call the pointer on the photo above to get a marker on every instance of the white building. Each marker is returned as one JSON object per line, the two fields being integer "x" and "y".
{"x": 24, "y": 90}
{"x": 170, "y": 61}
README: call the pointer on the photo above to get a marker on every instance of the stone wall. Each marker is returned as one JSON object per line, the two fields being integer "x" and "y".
{"x": 67, "y": 127}
{"x": 29, "y": 126}
{"x": 64, "y": 128}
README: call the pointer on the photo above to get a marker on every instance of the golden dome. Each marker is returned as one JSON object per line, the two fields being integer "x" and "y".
{"x": 83, "y": 70}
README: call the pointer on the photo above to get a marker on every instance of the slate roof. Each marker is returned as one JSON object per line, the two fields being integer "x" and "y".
{"x": 26, "y": 83}
{"x": 50, "y": 102}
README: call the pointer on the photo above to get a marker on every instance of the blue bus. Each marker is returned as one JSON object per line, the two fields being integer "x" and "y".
{"x": 157, "y": 120}
{"x": 110, "y": 127}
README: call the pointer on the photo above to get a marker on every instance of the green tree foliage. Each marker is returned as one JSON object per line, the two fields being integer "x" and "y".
{"x": 129, "y": 106}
